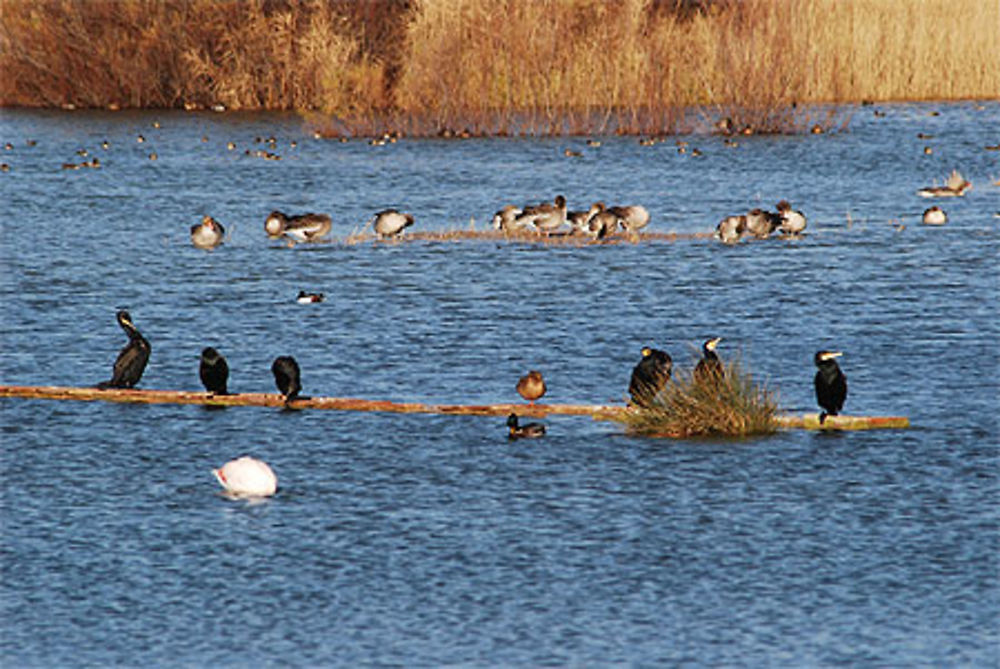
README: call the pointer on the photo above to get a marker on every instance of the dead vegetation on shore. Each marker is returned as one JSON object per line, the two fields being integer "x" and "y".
{"x": 491, "y": 67}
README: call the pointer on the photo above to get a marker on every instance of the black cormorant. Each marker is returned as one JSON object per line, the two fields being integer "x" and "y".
{"x": 529, "y": 431}
{"x": 831, "y": 384}
{"x": 286, "y": 376}
{"x": 214, "y": 371}
{"x": 132, "y": 359}
{"x": 709, "y": 368}
{"x": 531, "y": 386}
{"x": 650, "y": 376}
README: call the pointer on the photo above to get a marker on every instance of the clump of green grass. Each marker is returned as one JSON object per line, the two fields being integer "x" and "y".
{"x": 734, "y": 405}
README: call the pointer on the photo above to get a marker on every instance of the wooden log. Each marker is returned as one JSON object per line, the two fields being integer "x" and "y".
{"x": 595, "y": 411}
{"x": 810, "y": 421}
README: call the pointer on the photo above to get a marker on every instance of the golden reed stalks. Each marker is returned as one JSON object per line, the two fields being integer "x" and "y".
{"x": 500, "y": 66}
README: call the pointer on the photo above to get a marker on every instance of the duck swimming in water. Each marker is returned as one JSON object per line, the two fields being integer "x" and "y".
{"x": 390, "y": 223}
{"x": 935, "y": 216}
{"x": 830, "y": 382}
{"x": 301, "y": 228}
{"x": 208, "y": 234}
{"x": 287, "y": 377}
{"x": 649, "y": 376}
{"x": 131, "y": 361}
{"x": 709, "y": 368}
{"x": 247, "y": 477}
{"x": 529, "y": 431}
{"x": 214, "y": 371}
{"x": 956, "y": 186}
{"x": 309, "y": 298}
{"x": 531, "y": 386}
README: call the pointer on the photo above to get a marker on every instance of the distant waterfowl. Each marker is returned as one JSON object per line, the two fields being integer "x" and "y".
{"x": 935, "y": 216}
{"x": 731, "y": 229}
{"x": 506, "y": 219}
{"x": 247, "y": 477}
{"x": 214, "y": 371}
{"x": 301, "y": 228}
{"x": 570, "y": 153}
{"x": 831, "y": 384}
{"x": 208, "y": 234}
{"x": 792, "y": 222}
{"x": 287, "y": 377}
{"x": 580, "y": 220}
{"x": 547, "y": 216}
{"x": 761, "y": 224}
{"x": 4, "y": 167}
{"x": 631, "y": 218}
{"x": 529, "y": 431}
{"x": 531, "y": 386}
{"x": 309, "y": 298}
{"x": 390, "y": 223}
{"x": 602, "y": 224}
{"x": 956, "y": 186}
{"x": 132, "y": 359}
{"x": 709, "y": 368}
{"x": 649, "y": 376}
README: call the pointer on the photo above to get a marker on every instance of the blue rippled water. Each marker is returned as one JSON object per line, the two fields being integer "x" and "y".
{"x": 432, "y": 540}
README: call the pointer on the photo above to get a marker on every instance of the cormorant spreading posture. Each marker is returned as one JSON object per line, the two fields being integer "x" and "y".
{"x": 650, "y": 376}
{"x": 709, "y": 368}
{"x": 132, "y": 359}
{"x": 529, "y": 431}
{"x": 531, "y": 386}
{"x": 214, "y": 371}
{"x": 286, "y": 376}
{"x": 831, "y": 384}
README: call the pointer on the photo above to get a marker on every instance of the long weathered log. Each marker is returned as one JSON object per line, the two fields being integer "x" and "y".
{"x": 596, "y": 411}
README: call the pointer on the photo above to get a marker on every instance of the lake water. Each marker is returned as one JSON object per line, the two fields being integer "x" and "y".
{"x": 432, "y": 540}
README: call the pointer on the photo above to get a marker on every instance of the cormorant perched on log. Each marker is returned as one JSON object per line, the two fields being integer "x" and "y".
{"x": 529, "y": 431}
{"x": 709, "y": 368}
{"x": 286, "y": 376}
{"x": 132, "y": 359}
{"x": 649, "y": 376}
{"x": 214, "y": 371}
{"x": 831, "y": 384}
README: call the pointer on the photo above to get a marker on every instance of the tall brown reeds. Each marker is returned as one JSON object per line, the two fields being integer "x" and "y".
{"x": 495, "y": 66}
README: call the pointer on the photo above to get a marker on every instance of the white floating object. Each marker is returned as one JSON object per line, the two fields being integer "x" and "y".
{"x": 247, "y": 477}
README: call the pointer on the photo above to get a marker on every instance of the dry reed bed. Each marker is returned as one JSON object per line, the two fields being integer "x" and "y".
{"x": 500, "y": 66}
{"x": 519, "y": 238}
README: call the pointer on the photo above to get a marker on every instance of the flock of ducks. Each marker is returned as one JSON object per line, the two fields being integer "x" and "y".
{"x": 760, "y": 224}
{"x": 553, "y": 218}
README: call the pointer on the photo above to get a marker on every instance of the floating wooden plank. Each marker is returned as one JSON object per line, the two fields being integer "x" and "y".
{"x": 596, "y": 411}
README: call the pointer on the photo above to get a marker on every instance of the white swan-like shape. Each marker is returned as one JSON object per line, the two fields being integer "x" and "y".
{"x": 247, "y": 477}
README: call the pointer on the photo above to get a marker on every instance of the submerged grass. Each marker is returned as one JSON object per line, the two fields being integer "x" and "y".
{"x": 501, "y": 66}
{"x": 732, "y": 406}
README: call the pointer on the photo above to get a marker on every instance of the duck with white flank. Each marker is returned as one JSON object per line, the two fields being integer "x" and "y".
{"x": 831, "y": 384}
{"x": 602, "y": 224}
{"x": 580, "y": 220}
{"x": 649, "y": 376}
{"x": 132, "y": 359}
{"x": 762, "y": 223}
{"x": 517, "y": 431}
{"x": 214, "y": 371}
{"x": 390, "y": 223}
{"x": 509, "y": 219}
{"x": 208, "y": 234}
{"x": 632, "y": 218}
{"x": 731, "y": 229}
{"x": 956, "y": 186}
{"x": 247, "y": 477}
{"x": 935, "y": 216}
{"x": 300, "y": 228}
{"x": 309, "y": 298}
{"x": 793, "y": 222}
